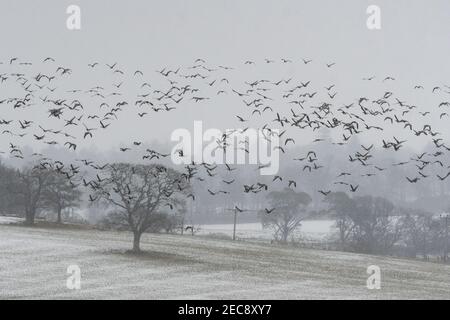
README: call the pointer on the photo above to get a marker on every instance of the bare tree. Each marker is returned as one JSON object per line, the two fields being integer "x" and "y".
{"x": 365, "y": 223}
{"x": 418, "y": 234}
{"x": 376, "y": 231}
{"x": 60, "y": 194}
{"x": 288, "y": 210}
{"x": 31, "y": 185}
{"x": 140, "y": 192}
{"x": 9, "y": 199}
{"x": 340, "y": 205}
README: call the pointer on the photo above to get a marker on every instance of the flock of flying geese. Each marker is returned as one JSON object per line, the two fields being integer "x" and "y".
{"x": 284, "y": 104}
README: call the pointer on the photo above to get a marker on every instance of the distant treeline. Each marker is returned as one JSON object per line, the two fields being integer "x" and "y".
{"x": 153, "y": 198}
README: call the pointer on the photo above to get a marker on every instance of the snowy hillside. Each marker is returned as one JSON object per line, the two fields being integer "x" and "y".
{"x": 34, "y": 261}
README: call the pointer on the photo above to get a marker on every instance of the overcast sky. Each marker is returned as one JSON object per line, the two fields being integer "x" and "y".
{"x": 413, "y": 44}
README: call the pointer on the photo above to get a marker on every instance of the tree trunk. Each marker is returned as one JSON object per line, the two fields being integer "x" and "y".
{"x": 59, "y": 216}
{"x": 284, "y": 235}
{"x": 137, "y": 242}
{"x": 29, "y": 217}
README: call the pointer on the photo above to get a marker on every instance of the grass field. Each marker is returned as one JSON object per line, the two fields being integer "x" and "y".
{"x": 34, "y": 261}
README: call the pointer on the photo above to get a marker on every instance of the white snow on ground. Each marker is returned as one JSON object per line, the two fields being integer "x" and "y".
{"x": 9, "y": 220}
{"x": 34, "y": 261}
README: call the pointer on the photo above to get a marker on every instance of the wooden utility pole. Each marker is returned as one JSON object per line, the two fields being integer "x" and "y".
{"x": 446, "y": 238}
{"x": 236, "y": 210}
{"x": 234, "y": 224}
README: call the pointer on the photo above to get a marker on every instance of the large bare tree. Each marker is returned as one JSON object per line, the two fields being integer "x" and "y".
{"x": 139, "y": 192}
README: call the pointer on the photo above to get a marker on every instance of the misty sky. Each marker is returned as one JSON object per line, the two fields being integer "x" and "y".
{"x": 411, "y": 46}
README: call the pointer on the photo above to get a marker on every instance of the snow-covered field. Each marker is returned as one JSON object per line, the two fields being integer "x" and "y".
{"x": 313, "y": 230}
{"x": 9, "y": 220}
{"x": 34, "y": 261}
